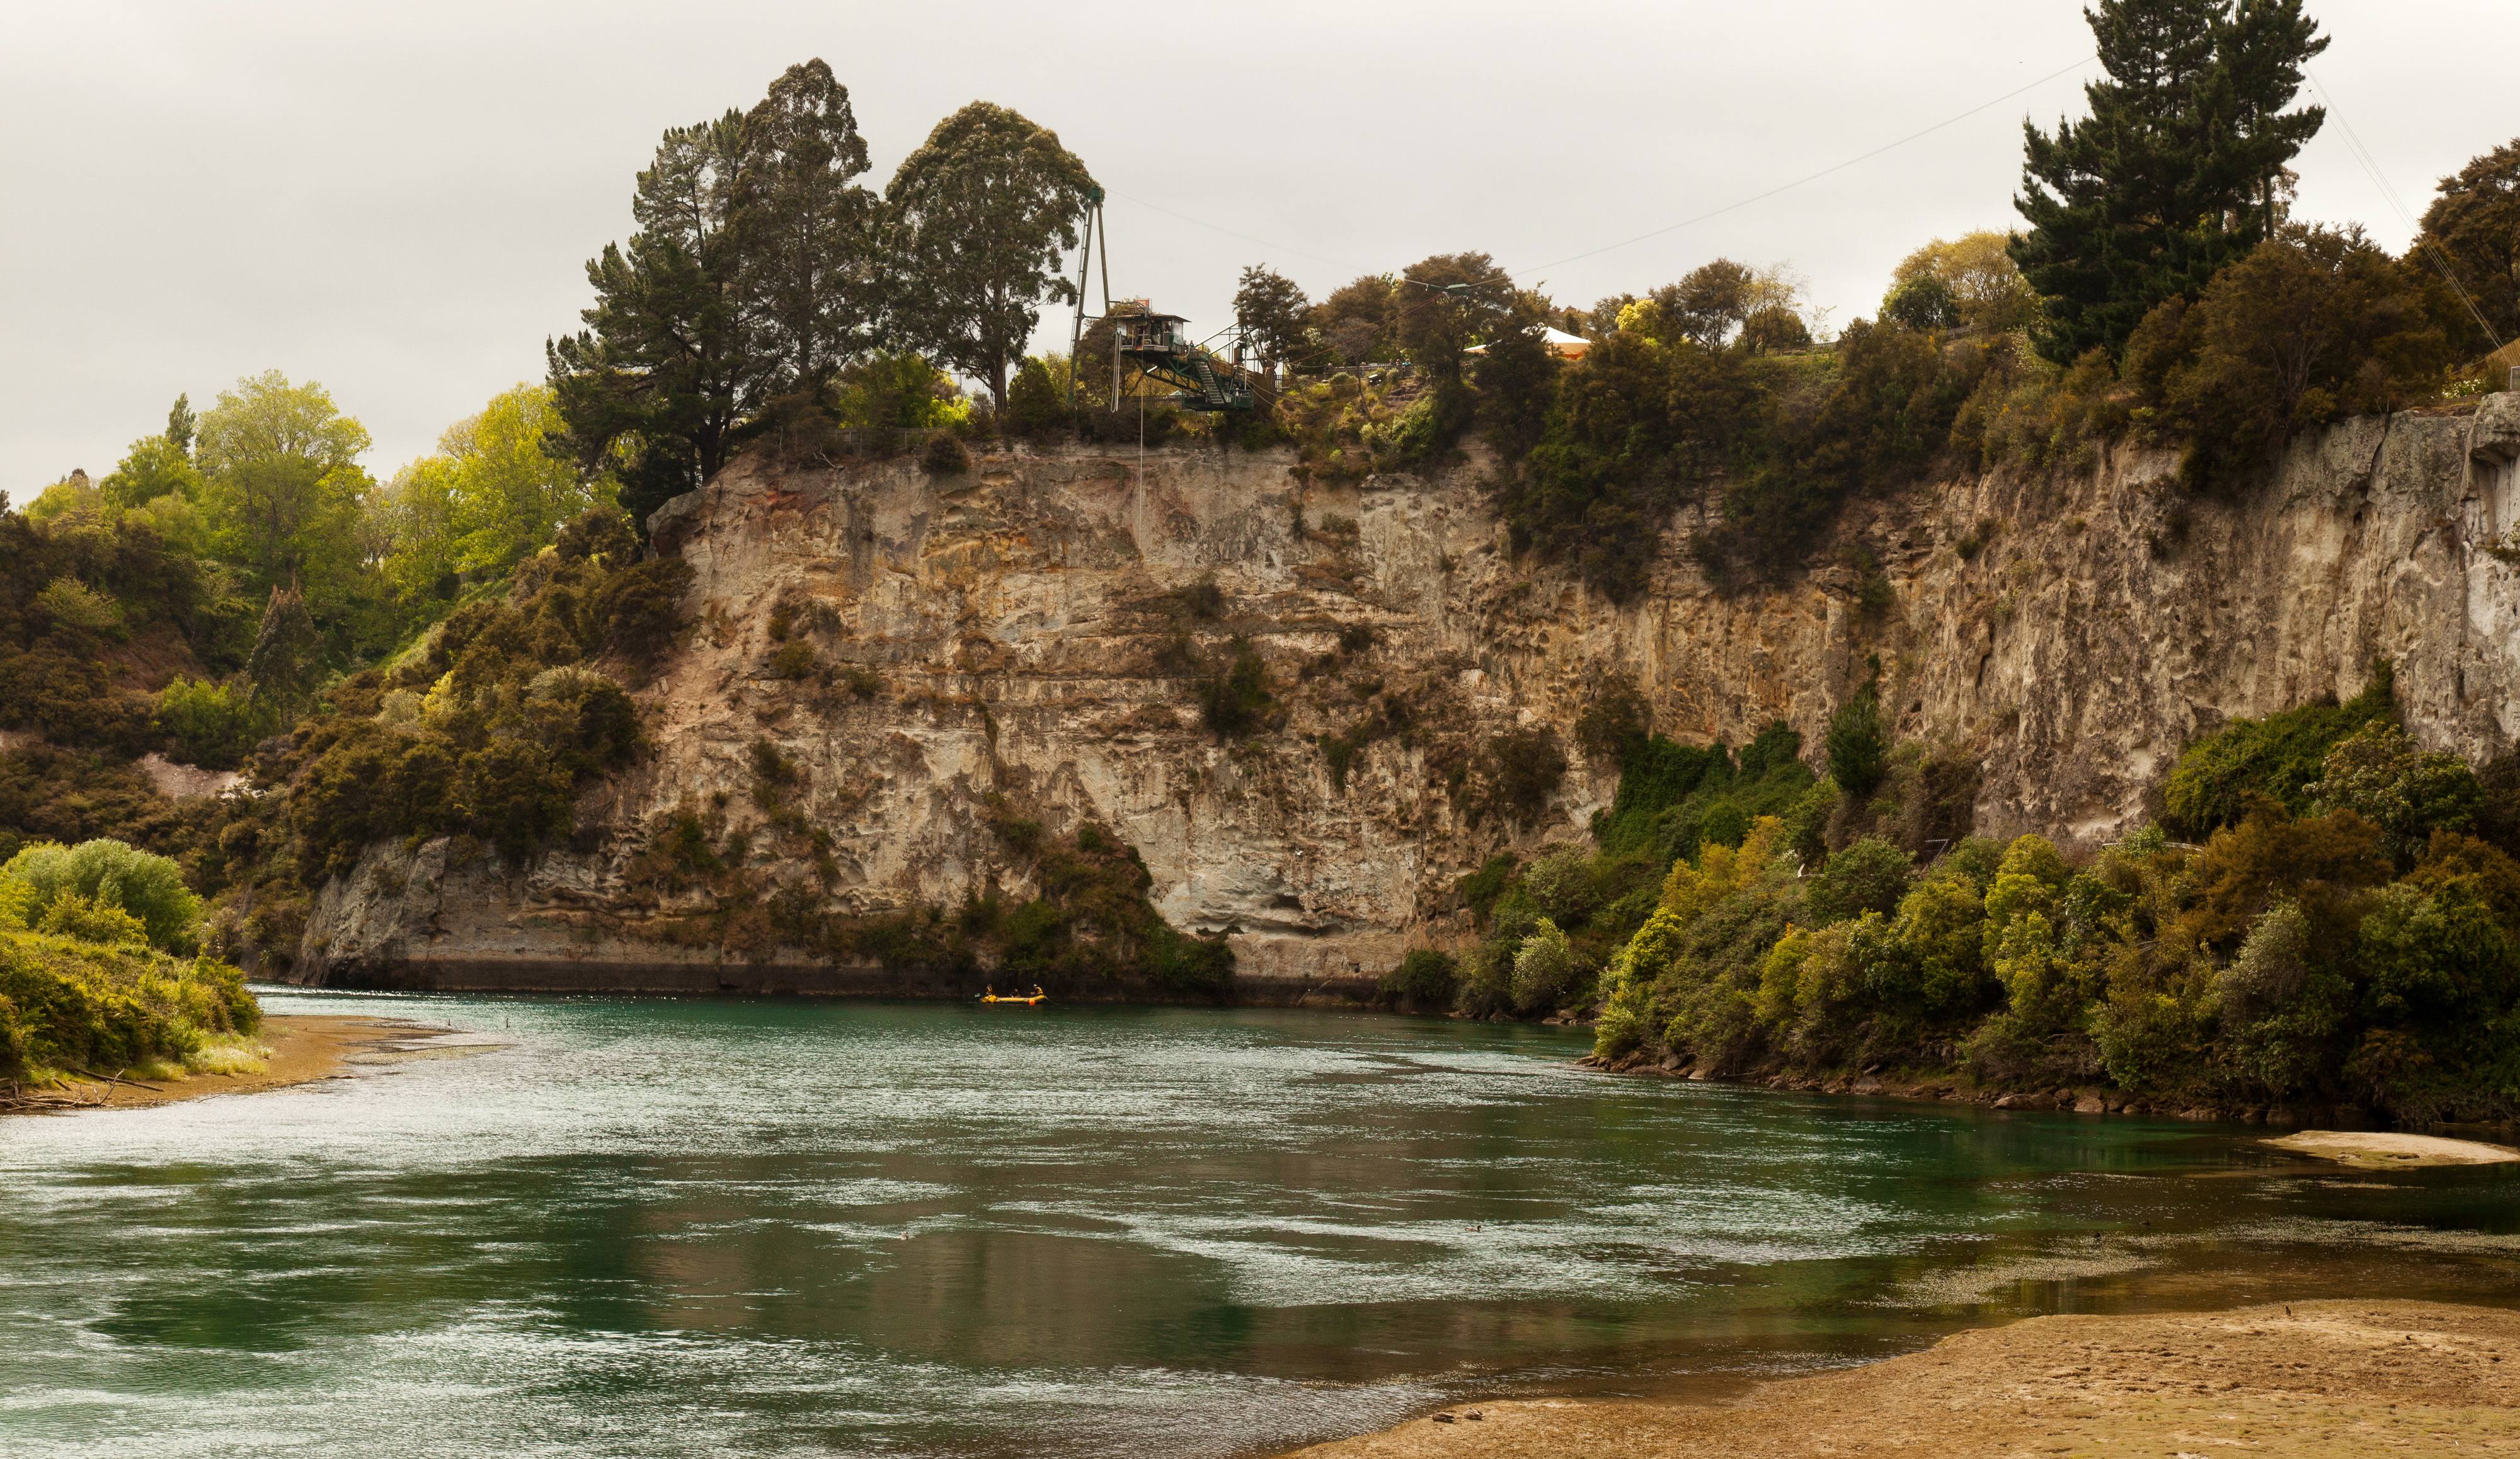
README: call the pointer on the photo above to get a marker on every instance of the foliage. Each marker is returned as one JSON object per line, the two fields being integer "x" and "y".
{"x": 2411, "y": 795}
{"x": 1276, "y": 319}
{"x": 1524, "y": 768}
{"x": 1447, "y": 302}
{"x": 1424, "y": 977}
{"x": 1357, "y": 321}
{"x": 489, "y": 496}
{"x": 751, "y": 277}
{"x": 1858, "y": 743}
{"x": 2313, "y": 324}
{"x": 493, "y": 728}
{"x": 2278, "y": 758}
{"x": 1969, "y": 283}
{"x": 207, "y": 724}
{"x": 974, "y": 222}
{"x": 2474, "y": 221}
{"x": 281, "y": 484}
{"x": 155, "y": 467}
{"x": 69, "y": 1004}
{"x": 1235, "y": 698}
{"x": 1870, "y": 876}
{"x": 2172, "y": 176}
{"x": 104, "y": 874}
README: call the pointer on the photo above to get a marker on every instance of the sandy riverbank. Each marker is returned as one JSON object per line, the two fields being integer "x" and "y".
{"x": 304, "y": 1047}
{"x": 2313, "y": 1380}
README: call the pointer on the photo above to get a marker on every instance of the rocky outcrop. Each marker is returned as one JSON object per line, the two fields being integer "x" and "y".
{"x": 1039, "y": 630}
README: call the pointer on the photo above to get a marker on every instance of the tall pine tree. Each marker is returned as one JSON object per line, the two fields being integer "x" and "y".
{"x": 2173, "y": 174}
{"x": 750, "y": 276}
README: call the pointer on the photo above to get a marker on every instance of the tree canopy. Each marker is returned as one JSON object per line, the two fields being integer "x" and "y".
{"x": 488, "y": 495}
{"x": 281, "y": 482}
{"x": 2173, "y": 175}
{"x": 977, "y": 220}
{"x": 2474, "y": 220}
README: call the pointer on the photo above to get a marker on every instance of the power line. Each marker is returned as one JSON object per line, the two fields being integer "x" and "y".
{"x": 2370, "y": 162}
{"x": 1817, "y": 176}
{"x": 1228, "y": 232}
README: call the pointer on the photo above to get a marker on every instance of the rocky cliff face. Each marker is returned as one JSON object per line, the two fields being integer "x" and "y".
{"x": 1040, "y": 628}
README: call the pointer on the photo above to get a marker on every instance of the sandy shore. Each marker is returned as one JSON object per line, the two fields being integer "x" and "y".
{"x": 304, "y": 1047}
{"x": 2316, "y": 1379}
{"x": 2376, "y": 1150}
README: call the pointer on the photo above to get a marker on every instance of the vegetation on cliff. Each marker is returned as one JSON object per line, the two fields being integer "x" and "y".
{"x": 2346, "y": 934}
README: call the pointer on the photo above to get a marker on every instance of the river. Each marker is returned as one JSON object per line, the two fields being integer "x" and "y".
{"x": 769, "y": 1227}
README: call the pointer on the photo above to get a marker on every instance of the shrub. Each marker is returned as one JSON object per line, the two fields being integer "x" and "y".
{"x": 1235, "y": 701}
{"x": 68, "y": 1004}
{"x": 1543, "y": 967}
{"x": 1424, "y": 977}
{"x": 109, "y": 874}
{"x": 945, "y": 455}
{"x": 1858, "y": 744}
{"x": 207, "y": 724}
{"x": 640, "y": 607}
{"x": 794, "y": 660}
{"x": 2277, "y": 758}
{"x": 1525, "y": 767}
{"x": 1870, "y": 876}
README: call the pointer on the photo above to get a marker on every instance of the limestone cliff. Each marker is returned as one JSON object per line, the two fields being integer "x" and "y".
{"x": 1037, "y": 629}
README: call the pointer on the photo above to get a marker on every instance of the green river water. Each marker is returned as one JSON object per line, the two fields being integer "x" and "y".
{"x": 774, "y": 1227}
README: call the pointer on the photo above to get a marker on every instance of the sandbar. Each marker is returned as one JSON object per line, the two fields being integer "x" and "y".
{"x": 304, "y": 1047}
{"x": 2385, "y": 1150}
{"x": 2319, "y": 1380}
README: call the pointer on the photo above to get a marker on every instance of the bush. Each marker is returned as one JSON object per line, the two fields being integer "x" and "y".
{"x": 640, "y": 607}
{"x": 67, "y": 1005}
{"x": 1525, "y": 767}
{"x": 109, "y": 874}
{"x": 1424, "y": 977}
{"x": 1869, "y": 876}
{"x": 945, "y": 455}
{"x": 2314, "y": 324}
{"x": 1235, "y": 701}
{"x": 1858, "y": 744}
{"x": 1544, "y": 968}
{"x": 209, "y": 724}
{"x": 2277, "y": 758}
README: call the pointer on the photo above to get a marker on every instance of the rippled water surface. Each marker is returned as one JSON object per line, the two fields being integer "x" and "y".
{"x": 798, "y": 1227}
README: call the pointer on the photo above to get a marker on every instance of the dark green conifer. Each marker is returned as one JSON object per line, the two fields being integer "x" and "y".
{"x": 2174, "y": 173}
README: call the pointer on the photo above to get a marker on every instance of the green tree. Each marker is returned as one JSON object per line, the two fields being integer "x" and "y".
{"x": 665, "y": 371}
{"x": 1275, "y": 316}
{"x": 2173, "y": 175}
{"x": 489, "y": 496}
{"x": 975, "y": 222}
{"x": 155, "y": 467}
{"x": 2312, "y": 324}
{"x": 181, "y": 424}
{"x": 2475, "y": 220}
{"x": 1448, "y": 302}
{"x": 1982, "y": 288}
{"x": 1356, "y": 319}
{"x": 804, "y": 230}
{"x": 1858, "y": 744}
{"x": 1710, "y": 302}
{"x": 287, "y": 662}
{"x": 281, "y": 483}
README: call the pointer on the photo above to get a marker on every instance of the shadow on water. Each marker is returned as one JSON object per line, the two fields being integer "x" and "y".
{"x": 707, "y": 1226}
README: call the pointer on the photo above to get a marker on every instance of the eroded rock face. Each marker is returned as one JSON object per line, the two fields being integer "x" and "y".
{"x": 1038, "y": 628}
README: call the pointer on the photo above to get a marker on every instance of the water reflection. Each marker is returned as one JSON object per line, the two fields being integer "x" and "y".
{"x": 670, "y": 1228}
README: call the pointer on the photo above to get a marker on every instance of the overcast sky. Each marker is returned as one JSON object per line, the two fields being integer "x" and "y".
{"x": 397, "y": 200}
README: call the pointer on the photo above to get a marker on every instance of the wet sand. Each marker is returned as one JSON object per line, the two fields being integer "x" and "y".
{"x": 304, "y": 1047}
{"x": 2316, "y": 1379}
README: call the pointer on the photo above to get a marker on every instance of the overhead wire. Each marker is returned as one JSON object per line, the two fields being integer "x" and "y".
{"x": 1817, "y": 176}
{"x": 2424, "y": 241}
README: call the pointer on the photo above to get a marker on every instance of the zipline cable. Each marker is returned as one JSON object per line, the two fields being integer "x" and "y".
{"x": 1824, "y": 172}
{"x": 2370, "y": 162}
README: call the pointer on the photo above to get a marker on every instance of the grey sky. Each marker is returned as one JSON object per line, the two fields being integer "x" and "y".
{"x": 398, "y": 199}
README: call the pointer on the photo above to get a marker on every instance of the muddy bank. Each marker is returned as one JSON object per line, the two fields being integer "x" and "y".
{"x": 2313, "y": 1378}
{"x": 304, "y": 1047}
